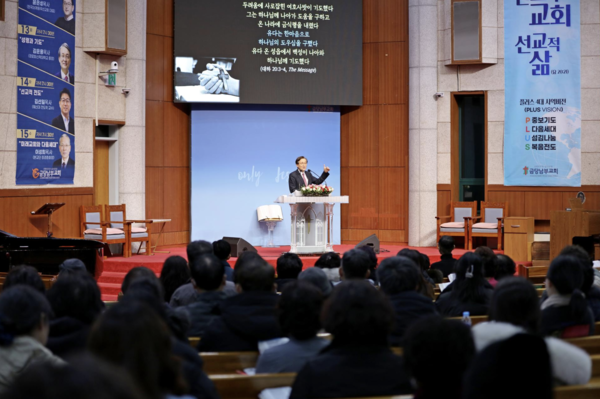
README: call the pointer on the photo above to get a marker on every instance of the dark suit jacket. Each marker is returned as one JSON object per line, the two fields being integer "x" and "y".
{"x": 71, "y": 77}
{"x": 58, "y": 122}
{"x": 70, "y": 163}
{"x": 296, "y": 180}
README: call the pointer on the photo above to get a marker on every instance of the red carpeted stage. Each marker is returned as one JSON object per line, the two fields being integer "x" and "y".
{"x": 113, "y": 270}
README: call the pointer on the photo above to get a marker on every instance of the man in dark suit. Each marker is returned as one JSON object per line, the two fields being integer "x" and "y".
{"x": 64, "y": 120}
{"x": 64, "y": 146}
{"x": 64, "y": 59}
{"x": 303, "y": 177}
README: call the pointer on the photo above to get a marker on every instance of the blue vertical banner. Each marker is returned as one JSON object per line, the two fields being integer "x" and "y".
{"x": 46, "y": 92}
{"x": 542, "y": 122}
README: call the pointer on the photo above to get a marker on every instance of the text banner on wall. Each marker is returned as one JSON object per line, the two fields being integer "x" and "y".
{"x": 45, "y": 92}
{"x": 542, "y": 125}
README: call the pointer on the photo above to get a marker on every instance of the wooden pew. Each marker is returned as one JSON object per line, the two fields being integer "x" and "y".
{"x": 249, "y": 386}
{"x": 228, "y": 362}
{"x": 589, "y": 344}
{"x": 474, "y": 319}
{"x": 588, "y": 391}
{"x": 47, "y": 279}
{"x": 194, "y": 341}
{"x": 535, "y": 274}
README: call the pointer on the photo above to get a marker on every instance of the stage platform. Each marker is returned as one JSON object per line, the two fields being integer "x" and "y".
{"x": 113, "y": 270}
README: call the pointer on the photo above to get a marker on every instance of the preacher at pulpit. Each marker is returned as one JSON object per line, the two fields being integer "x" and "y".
{"x": 302, "y": 177}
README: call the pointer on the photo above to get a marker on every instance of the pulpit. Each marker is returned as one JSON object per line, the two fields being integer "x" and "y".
{"x": 565, "y": 226}
{"x": 312, "y": 222}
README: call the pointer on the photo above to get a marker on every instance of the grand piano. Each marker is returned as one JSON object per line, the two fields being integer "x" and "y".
{"x": 46, "y": 254}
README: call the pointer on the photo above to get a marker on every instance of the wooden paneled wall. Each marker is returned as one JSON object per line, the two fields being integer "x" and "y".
{"x": 167, "y": 131}
{"x": 535, "y": 202}
{"x": 374, "y": 137}
{"x": 18, "y": 204}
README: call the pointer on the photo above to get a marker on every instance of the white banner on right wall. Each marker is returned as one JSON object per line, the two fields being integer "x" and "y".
{"x": 542, "y": 124}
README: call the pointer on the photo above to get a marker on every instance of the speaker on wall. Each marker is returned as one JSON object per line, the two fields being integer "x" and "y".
{"x": 371, "y": 241}
{"x": 239, "y": 245}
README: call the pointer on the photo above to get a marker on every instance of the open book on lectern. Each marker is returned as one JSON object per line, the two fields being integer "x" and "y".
{"x": 269, "y": 212}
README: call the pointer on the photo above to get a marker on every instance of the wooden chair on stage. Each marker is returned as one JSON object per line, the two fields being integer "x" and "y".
{"x": 493, "y": 214}
{"x": 457, "y": 221}
{"x": 94, "y": 228}
{"x": 117, "y": 219}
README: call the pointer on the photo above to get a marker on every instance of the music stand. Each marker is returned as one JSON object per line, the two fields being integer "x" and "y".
{"x": 48, "y": 209}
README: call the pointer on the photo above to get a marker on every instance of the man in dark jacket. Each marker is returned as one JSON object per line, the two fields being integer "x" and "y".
{"x": 446, "y": 265}
{"x": 208, "y": 278}
{"x": 399, "y": 279}
{"x": 289, "y": 267}
{"x": 248, "y": 317}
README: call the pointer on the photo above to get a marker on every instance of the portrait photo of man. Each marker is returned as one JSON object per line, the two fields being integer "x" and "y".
{"x": 64, "y": 146}
{"x": 64, "y": 120}
{"x": 64, "y": 59}
{"x": 67, "y": 22}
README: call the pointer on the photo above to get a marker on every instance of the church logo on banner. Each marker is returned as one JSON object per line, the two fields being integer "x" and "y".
{"x": 46, "y": 92}
{"x": 542, "y": 121}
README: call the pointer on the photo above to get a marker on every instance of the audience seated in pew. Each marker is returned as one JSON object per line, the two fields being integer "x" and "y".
{"x": 355, "y": 266}
{"x": 518, "y": 367}
{"x": 318, "y": 278}
{"x": 248, "y": 317}
{"x": 26, "y": 275}
{"x": 591, "y": 291}
{"x": 330, "y": 264}
{"x": 428, "y": 285}
{"x": 174, "y": 274}
{"x": 184, "y": 295}
{"x": 358, "y": 362}
{"x": 433, "y": 340}
{"x": 208, "y": 278}
{"x": 372, "y": 262}
{"x": 298, "y": 312}
{"x": 24, "y": 316}
{"x": 133, "y": 336}
{"x": 434, "y": 274}
{"x": 566, "y": 306}
{"x": 489, "y": 260}
{"x": 85, "y": 377}
{"x": 446, "y": 264}
{"x": 515, "y": 309}
{"x": 505, "y": 267}
{"x": 469, "y": 292}
{"x": 400, "y": 280}
{"x": 76, "y": 302}
{"x": 289, "y": 266}
{"x": 222, "y": 250}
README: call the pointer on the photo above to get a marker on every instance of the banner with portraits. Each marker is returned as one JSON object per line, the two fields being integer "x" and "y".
{"x": 46, "y": 92}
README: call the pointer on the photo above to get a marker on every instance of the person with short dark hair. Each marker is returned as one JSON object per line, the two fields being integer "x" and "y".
{"x": 131, "y": 335}
{"x": 72, "y": 265}
{"x": 24, "y": 315}
{"x": 248, "y": 317}
{"x": 76, "y": 302}
{"x": 298, "y": 311}
{"x": 222, "y": 250}
{"x": 427, "y": 286}
{"x": 330, "y": 263}
{"x": 289, "y": 266}
{"x": 400, "y": 279}
{"x": 302, "y": 177}
{"x": 355, "y": 265}
{"x": 84, "y": 377}
{"x": 208, "y": 277}
{"x": 174, "y": 273}
{"x": 186, "y": 294}
{"x": 67, "y": 21}
{"x": 566, "y": 305}
{"x": 24, "y": 275}
{"x": 505, "y": 267}
{"x": 470, "y": 292}
{"x": 518, "y": 367}
{"x": 65, "y": 122}
{"x": 515, "y": 309}
{"x": 446, "y": 264}
{"x": 318, "y": 278}
{"x": 490, "y": 263}
{"x": 135, "y": 274}
{"x": 358, "y": 362}
{"x": 372, "y": 262}
{"x": 433, "y": 338}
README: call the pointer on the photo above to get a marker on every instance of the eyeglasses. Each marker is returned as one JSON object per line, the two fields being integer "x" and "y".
{"x": 64, "y": 145}
{"x": 65, "y": 100}
{"x": 67, "y": 4}
{"x": 68, "y": 56}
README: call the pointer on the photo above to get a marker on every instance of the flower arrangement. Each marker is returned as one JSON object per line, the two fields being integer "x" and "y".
{"x": 314, "y": 190}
